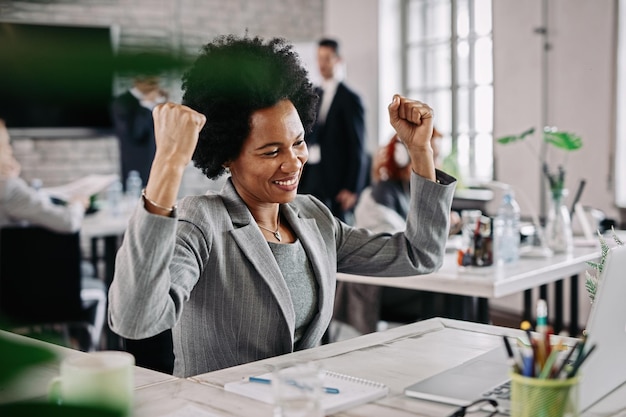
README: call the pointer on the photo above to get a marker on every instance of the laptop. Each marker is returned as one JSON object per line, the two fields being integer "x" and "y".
{"x": 601, "y": 373}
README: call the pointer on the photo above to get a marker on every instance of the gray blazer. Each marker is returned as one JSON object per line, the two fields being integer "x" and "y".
{"x": 210, "y": 275}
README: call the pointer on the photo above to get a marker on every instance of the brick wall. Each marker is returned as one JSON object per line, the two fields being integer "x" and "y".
{"x": 174, "y": 25}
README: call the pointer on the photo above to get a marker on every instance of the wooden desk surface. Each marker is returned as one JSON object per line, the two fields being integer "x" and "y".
{"x": 397, "y": 357}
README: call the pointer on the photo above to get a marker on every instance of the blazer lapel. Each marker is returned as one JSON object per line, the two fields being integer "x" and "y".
{"x": 252, "y": 243}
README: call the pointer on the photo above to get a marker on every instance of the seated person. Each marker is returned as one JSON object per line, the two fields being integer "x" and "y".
{"x": 250, "y": 272}
{"x": 383, "y": 207}
{"x": 20, "y": 204}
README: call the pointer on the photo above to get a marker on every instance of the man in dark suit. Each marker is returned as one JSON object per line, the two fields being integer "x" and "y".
{"x": 337, "y": 169}
{"x": 134, "y": 127}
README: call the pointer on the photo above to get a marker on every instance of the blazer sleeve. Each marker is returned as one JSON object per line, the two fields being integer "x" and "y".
{"x": 419, "y": 249}
{"x": 144, "y": 300}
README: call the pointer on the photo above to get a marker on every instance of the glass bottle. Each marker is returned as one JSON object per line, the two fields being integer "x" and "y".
{"x": 134, "y": 185}
{"x": 558, "y": 231}
{"x": 115, "y": 195}
{"x": 506, "y": 230}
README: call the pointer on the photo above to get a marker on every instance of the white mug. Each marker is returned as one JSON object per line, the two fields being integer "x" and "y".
{"x": 103, "y": 380}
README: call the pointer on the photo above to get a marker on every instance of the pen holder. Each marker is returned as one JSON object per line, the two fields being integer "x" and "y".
{"x": 534, "y": 397}
{"x": 476, "y": 240}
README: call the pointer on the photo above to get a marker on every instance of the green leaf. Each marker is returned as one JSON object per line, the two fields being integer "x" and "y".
{"x": 527, "y": 132}
{"x": 563, "y": 140}
{"x": 516, "y": 138}
{"x": 591, "y": 284}
{"x": 616, "y": 238}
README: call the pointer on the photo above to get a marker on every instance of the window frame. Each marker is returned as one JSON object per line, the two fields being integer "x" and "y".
{"x": 455, "y": 139}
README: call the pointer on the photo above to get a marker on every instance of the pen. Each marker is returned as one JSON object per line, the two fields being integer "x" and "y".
{"x": 525, "y": 325}
{"x": 528, "y": 362}
{"x": 579, "y": 361}
{"x": 547, "y": 367}
{"x": 566, "y": 360}
{"x": 509, "y": 351}
{"x": 327, "y": 390}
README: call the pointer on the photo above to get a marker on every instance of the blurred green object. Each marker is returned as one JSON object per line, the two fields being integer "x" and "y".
{"x": 44, "y": 409}
{"x": 15, "y": 359}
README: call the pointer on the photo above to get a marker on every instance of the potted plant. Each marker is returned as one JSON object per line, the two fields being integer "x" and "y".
{"x": 592, "y": 279}
{"x": 558, "y": 231}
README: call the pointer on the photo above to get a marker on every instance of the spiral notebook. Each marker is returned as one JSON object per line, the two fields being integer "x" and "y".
{"x": 353, "y": 391}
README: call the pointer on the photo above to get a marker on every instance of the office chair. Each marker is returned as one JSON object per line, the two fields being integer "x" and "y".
{"x": 41, "y": 283}
{"x": 156, "y": 352}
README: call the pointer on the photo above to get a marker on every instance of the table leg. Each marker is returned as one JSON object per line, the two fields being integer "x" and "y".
{"x": 483, "y": 310}
{"x": 558, "y": 306}
{"x": 543, "y": 292}
{"x": 528, "y": 305}
{"x": 573, "y": 321}
{"x": 457, "y": 306}
{"x": 94, "y": 254}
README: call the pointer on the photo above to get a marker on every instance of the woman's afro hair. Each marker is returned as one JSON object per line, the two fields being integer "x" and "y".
{"x": 234, "y": 77}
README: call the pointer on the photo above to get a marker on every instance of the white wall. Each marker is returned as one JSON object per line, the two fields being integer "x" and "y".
{"x": 355, "y": 24}
{"x": 581, "y": 70}
{"x": 370, "y": 36}
{"x": 580, "y": 86}
{"x": 580, "y": 82}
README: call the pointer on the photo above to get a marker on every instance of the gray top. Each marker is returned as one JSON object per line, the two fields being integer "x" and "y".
{"x": 300, "y": 280}
{"x": 209, "y": 274}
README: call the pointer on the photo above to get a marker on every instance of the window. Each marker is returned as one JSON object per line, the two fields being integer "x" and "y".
{"x": 448, "y": 64}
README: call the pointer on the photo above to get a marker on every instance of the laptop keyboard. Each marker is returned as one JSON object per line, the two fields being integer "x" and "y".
{"x": 502, "y": 394}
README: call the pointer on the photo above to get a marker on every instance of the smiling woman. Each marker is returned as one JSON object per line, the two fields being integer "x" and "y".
{"x": 250, "y": 272}
{"x": 271, "y": 159}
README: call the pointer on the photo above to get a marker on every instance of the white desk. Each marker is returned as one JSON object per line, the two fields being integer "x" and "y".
{"x": 103, "y": 223}
{"x": 397, "y": 357}
{"x": 494, "y": 282}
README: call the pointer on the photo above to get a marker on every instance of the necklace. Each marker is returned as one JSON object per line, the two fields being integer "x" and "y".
{"x": 276, "y": 233}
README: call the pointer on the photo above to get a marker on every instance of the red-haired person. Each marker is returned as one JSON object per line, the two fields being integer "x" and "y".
{"x": 383, "y": 207}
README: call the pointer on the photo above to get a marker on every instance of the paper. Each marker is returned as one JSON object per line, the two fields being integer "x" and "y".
{"x": 83, "y": 187}
{"x": 352, "y": 391}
